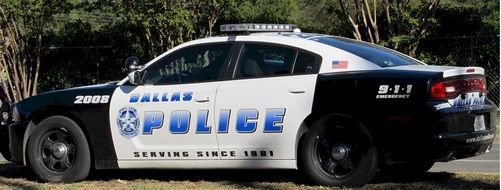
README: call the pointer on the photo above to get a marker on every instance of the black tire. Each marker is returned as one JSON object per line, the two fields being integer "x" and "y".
{"x": 58, "y": 151}
{"x": 322, "y": 154}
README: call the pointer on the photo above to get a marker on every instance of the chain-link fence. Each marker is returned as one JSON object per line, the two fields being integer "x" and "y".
{"x": 481, "y": 51}
{"x": 65, "y": 67}
{"x": 75, "y": 66}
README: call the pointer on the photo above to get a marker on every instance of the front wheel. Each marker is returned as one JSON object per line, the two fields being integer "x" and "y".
{"x": 338, "y": 151}
{"x": 58, "y": 151}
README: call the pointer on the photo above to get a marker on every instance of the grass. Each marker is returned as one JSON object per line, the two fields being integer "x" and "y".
{"x": 17, "y": 177}
{"x": 444, "y": 181}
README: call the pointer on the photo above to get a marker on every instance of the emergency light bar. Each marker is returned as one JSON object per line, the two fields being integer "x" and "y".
{"x": 249, "y": 27}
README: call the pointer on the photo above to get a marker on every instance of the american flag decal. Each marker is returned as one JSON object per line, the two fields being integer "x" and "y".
{"x": 339, "y": 64}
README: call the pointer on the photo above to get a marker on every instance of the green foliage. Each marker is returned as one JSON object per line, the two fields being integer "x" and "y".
{"x": 91, "y": 39}
{"x": 34, "y": 14}
{"x": 261, "y": 11}
{"x": 460, "y": 17}
{"x": 23, "y": 23}
{"x": 321, "y": 16}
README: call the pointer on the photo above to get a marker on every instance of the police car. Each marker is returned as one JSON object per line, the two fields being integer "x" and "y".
{"x": 274, "y": 98}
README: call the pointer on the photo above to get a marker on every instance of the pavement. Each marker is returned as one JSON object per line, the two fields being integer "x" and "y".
{"x": 485, "y": 163}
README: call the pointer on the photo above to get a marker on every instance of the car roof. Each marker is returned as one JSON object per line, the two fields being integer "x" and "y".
{"x": 306, "y": 41}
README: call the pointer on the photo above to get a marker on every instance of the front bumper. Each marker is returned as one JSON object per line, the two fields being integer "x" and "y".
{"x": 5, "y": 118}
{"x": 16, "y": 138}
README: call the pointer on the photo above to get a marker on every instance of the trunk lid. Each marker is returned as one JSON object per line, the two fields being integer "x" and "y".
{"x": 447, "y": 71}
{"x": 459, "y": 86}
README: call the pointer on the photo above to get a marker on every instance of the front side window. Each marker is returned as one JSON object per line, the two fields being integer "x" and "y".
{"x": 192, "y": 64}
{"x": 264, "y": 60}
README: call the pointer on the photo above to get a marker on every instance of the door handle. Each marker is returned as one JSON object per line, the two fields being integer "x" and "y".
{"x": 296, "y": 91}
{"x": 202, "y": 99}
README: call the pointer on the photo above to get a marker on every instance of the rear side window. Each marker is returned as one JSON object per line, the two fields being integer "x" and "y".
{"x": 378, "y": 55}
{"x": 257, "y": 60}
{"x": 305, "y": 64}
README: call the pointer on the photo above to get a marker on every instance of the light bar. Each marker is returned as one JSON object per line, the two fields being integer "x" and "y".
{"x": 250, "y": 27}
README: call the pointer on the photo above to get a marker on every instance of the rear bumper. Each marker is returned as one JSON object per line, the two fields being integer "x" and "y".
{"x": 442, "y": 135}
{"x": 458, "y": 138}
{"x": 453, "y": 146}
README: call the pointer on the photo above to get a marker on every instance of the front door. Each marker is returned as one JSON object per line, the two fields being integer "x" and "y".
{"x": 170, "y": 116}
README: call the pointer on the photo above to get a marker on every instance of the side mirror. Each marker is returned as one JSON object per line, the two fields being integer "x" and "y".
{"x": 132, "y": 63}
{"x": 134, "y": 77}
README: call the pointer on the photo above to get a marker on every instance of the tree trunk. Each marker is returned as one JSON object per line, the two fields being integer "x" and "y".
{"x": 37, "y": 66}
{"x": 420, "y": 31}
{"x": 372, "y": 28}
{"x": 355, "y": 27}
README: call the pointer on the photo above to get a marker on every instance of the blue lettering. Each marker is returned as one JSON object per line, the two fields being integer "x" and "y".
{"x": 246, "y": 120}
{"x": 187, "y": 96}
{"x": 152, "y": 120}
{"x": 202, "y": 122}
{"x": 243, "y": 123}
{"x": 146, "y": 97}
{"x": 155, "y": 98}
{"x": 164, "y": 97}
{"x": 134, "y": 98}
{"x": 175, "y": 96}
{"x": 274, "y": 120}
{"x": 224, "y": 121}
{"x": 179, "y": 122}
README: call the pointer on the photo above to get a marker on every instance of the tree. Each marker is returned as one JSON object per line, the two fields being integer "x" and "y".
{"x": 261, "y": 11}
{"x": 22, "y": 25}
{"x": 168, "y": 23}
{"x": 321, "y": 16}
{"x": 407, "y": 22}
{"x": 206, "y": 13}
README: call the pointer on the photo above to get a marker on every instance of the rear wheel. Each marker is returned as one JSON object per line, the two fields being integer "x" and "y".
{"x": 339, "y": 151}
{"x": 58, "y": 151}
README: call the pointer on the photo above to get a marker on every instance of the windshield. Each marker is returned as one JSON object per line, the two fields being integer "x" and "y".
{"x": 378, "y": 55}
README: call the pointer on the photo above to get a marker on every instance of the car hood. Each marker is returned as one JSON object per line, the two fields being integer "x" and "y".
{"x": 61, "y": 99}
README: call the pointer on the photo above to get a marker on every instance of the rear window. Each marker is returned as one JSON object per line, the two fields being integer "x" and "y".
{"x": 378, "y": 55}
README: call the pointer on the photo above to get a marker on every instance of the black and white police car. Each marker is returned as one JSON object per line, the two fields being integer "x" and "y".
{"x": 335, "y": 108}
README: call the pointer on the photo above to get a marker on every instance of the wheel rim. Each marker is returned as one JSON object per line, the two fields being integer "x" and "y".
{"x": 57, "y": 150}
{"x": 338, "y": 151}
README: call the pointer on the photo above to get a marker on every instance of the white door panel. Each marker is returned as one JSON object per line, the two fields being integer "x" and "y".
{"x": 265, "y": 115}
{"x": 173, "y": 124}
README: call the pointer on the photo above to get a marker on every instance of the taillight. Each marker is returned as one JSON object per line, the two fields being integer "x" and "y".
{"x": 452, "y": 88}
{"x": 438, "y": 90}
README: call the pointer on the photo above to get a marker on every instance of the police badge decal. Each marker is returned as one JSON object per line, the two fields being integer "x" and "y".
{"x": 128, "y": 122}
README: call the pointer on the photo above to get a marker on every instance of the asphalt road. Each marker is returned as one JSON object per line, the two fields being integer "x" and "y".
{"x": 485, "y": 163}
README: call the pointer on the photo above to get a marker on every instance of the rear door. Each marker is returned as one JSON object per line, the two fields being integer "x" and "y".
{"x": 262, "y": 108}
